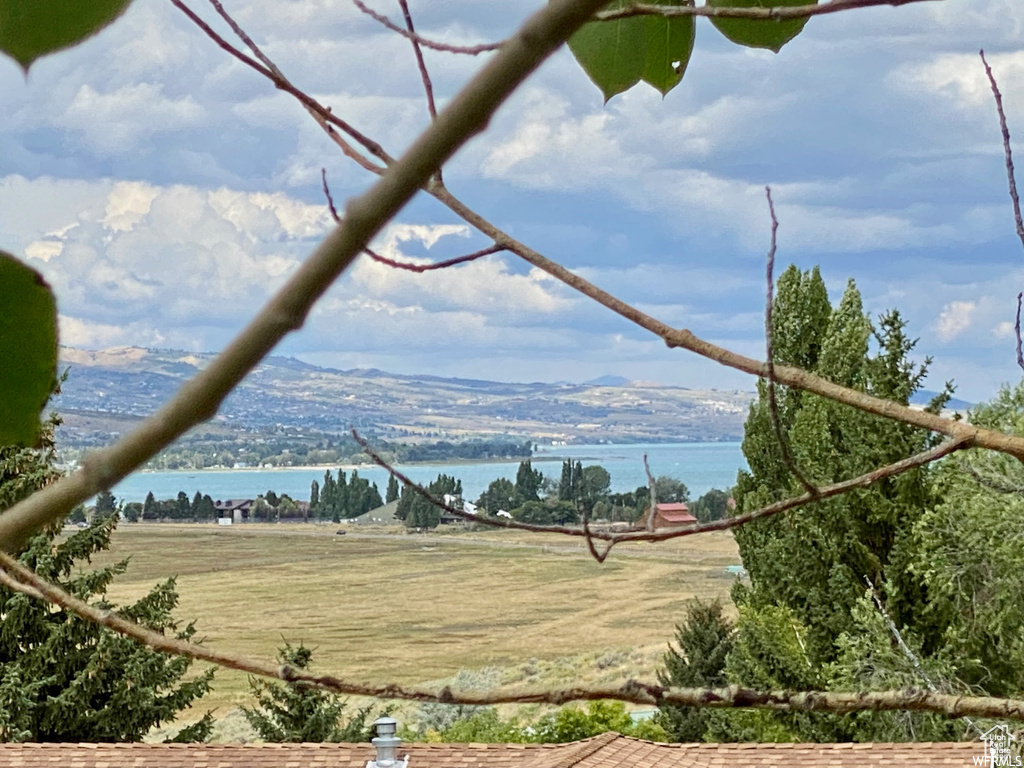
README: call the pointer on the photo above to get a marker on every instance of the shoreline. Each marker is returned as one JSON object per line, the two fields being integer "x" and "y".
{"x": 544, "y": 457}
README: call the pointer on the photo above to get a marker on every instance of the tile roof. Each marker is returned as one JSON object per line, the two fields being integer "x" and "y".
{"x": 609, "y": 750}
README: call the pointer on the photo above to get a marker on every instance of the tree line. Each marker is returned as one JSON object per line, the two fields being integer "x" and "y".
{"x": 536, "y": 499}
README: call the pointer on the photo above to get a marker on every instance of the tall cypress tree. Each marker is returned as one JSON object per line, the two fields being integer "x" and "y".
{"x": 808, "y": 567}
{"x": 392, "y": 491}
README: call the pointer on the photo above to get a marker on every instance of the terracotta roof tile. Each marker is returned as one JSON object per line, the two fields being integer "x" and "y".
{"x": 609, "y": 750}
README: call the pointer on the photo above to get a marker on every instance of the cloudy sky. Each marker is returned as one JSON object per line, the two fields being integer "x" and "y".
{"x": 165, "y": 190}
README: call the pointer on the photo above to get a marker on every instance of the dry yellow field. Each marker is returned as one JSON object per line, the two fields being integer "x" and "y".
{"x": 416, "y": 608}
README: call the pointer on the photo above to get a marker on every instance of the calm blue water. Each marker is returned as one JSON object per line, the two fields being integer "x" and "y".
{"x": 701, "y": 466}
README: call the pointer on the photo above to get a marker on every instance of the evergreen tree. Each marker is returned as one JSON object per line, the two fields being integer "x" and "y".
{"x": 704, "y": 640}
{"x": 106, "y": 504}
{"x": 565, "y": 484}
{"x": 196, "y": 508}
{"x": 811, "y": 564}
{"x": 304, "y": 715}
{"x": 326, "y": 509}
{"x": 314, "y": 498}
{"x": 66, "y": 679}
{"x": 149, "y": 507}
{"x": 183, "y": 508}
{"x": 272, "y": 498}
{"x": 528, "y": 482}
{"x": 392, "y": 492}
{"x": 340, "y": 498}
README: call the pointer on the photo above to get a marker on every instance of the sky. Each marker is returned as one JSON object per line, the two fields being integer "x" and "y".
{"x": 166, "y": 191}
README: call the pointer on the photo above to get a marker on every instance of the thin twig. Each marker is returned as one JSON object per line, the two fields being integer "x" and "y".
{"x": 244, "y": 37}
{"x": 428, "y": 86}
{"x": 200, "y": 398}
{"x": 1016, "y": 331}
{"x": 283, "y": 84}
{"x": 776, "y": 13}
{"x": 1007, "y": 152}
{"x": 652, "y": 494}
{"x": 330, "y": 200}
{"x": 769, "y": 340}
{"x": 471, "y": 50}
{"x": 436, "y": 265}
{"x": 825, "y": 492}
{"x": 22, "y": 579}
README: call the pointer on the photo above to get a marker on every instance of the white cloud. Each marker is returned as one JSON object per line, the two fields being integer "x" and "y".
{"x": 1004, "y": 330}
{"x": 954, "y": 319}
{"x": 115, "y": 121}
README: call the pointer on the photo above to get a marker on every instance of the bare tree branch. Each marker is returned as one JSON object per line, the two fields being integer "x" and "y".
{"x": 199, "y": 398}
{"x": 769, "y": 339}
{"x": 19, "y": 578}
{"x": 410, "y": 34}
{"x": 777, "y": 13}
{"x": 330, "y": 199}
{"x": 1016, "y": 332}
{"x": 652, "y": 494}
{"x": 428, "y": 86}
{"x": 282, "y": 83}
{"x": 436, "y": 265}
{"x": 1007, "y": 152}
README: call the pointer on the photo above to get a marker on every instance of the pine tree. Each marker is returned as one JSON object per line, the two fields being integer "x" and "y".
{"x": 704, "y": 640}
{"x": 106, "y": 504}
{"x": 69, "y": 680}
{"x": 392, "y": 491}
{"x": 304, "y": 715}
{"x": 196, "y": 508}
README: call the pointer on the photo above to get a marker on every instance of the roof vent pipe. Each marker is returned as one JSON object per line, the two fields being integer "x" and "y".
{"x": 387, "y": 744}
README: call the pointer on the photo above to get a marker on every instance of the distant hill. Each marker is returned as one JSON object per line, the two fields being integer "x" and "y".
{"x": 110, "y": 389}
{"x": 608, "y": 381}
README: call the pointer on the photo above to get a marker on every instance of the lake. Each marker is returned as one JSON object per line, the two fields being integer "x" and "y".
{"x": 701, "y": 466}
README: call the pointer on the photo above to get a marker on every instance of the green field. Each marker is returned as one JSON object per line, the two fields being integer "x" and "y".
{"x": 417, "y": 608}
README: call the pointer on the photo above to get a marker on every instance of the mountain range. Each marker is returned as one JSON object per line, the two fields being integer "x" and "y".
{"x": 108, "y": 390}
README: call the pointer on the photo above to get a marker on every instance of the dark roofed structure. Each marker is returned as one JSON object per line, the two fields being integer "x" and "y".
{"x": 610, "y": 750}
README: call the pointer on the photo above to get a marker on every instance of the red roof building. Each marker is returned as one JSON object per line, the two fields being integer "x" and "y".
{"x": 672, "y": 515}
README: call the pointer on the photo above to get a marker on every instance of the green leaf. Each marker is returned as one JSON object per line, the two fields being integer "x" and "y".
{"x": 758, "y": 33}
{"x": 32, "y": 28}
{"x": 669, "y": 45}
{"x": 612, "y": 53}
{"x": 618, "y": 54}
{"x": 28, "y": 350}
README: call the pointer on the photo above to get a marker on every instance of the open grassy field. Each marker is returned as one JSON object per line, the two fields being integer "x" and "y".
{"x": 416, "y": 608}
